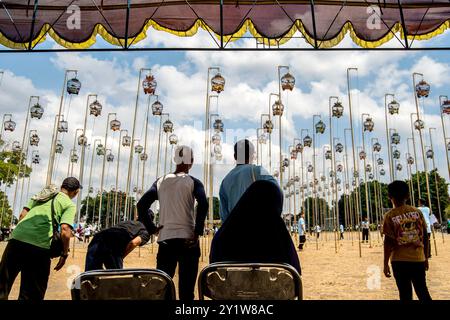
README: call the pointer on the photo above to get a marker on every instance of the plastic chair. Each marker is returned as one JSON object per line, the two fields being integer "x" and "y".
{"x": 250, "y": 281}
{"x": 123, "y": 284}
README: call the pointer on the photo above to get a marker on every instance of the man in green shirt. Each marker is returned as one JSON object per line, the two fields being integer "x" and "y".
{"x": 28, "y": 251}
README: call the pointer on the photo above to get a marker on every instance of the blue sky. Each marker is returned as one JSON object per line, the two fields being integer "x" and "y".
{"x": 250, "y": 77}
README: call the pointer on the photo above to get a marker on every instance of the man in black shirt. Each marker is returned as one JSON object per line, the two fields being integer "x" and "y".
{"x": 110, "y": 246}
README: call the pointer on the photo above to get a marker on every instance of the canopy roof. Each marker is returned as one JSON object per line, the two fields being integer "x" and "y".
{"x": 322, "y": 23}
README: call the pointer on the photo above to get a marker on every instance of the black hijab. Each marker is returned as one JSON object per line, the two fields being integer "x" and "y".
{"x": 254, "y": 231}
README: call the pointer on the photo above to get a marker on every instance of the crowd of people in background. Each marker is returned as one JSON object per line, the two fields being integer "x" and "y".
{"x": 249, "y": 195}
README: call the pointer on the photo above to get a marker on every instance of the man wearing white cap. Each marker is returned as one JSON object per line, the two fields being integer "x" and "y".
{"x": 180, "y": 225}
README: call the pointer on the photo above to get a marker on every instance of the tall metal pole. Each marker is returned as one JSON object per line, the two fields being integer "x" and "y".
{"x": 333, "y": 168}
{"x": 436, "y": 182}
{"x": 423, "y": 154}
{"x": 315, "y": 204}
{"x": 116, "y": 209}
{"x": 70, "y": 163}
{"x": 388, "y": 140}
{"x": 413, "y": 201}
{"x": 133, "y": 132}
{"x": 355, "y": 163}
{"x": 280, "y": 133}
{"x": 446, "y": 142}
{"x": 365, "y": 176}
{"x": 415, "y": 156}
{"x": 90, "y": 173}
{"x": 51, "y": 161}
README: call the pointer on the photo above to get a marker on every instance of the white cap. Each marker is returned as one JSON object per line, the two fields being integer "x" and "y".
{"x": 183, "y": 155}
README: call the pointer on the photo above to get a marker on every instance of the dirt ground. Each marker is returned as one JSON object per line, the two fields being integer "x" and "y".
{"x": 326, "y": 274}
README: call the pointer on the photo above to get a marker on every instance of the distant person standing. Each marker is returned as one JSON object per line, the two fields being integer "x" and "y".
{"x": 426, "y": 216}
{"x": 180, "y": 225}
{"x": 341, "y": 231}
{"x": 365, "y": 230}
{"x": 405, "y": 244}
{"x": 448, "y": 225}
{"x": 318, "y": 230}
{"x": 87, "y": 233}
{"x": 301, "y": 231}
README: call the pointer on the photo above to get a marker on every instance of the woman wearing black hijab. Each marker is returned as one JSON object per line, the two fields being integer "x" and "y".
{"x": 255, "y": 231}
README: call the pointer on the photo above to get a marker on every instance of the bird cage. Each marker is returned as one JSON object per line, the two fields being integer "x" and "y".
{"x": 354, "y": 183}
{"x": 419, "y": 124}
{"x": 355, "y": 174}
{"x": 319, "y": 189}
{"x": 310, "y": 168}
{"x": 59, "y": 148}
{"x": 73, "y": 86}
{"x": 284, "y": 187}
{"x": 218, "y": 125}
{"x": 173, "y": 139}
{"x": 291, "y": 181}
{"x": 323, "y": 178}
{"x": 304, "y": 186}
{"x": 362, "y": 155}
{"x": 338, "y": 181}
{"x": 422, "y": 89}
{"x": 149, "y": 84}
{"x": 168, "y": 126}
{"x": 34, "y": 139}
{"x": 287, "y": 82}
{"x": 216, "y": 138}
{"x": 135, "y": 189}
{"x": 95, "y": 108}
{"x": 217, "y": 149}
{"x": 277, "y": 108}
{"x": 340, "y": 168}
{"x": 448, "y": 146}
{"x": 82, "y": 140}
{"x": 396, "y": 154}
{"x": 36, "y": 111}
{"x": 371, "y": 176}
{"x": 376, "y": 147}
{"x": 299, "y": 148}
{"x": 276, "y": 173}
{"x": 285, "y": 163}
{"x": 63, "y": 126}
{"x": 297, "y": 179}
{"x": 339, "y": 147}
{"x": 110, "y": 157}
{"x": 399, "y": 167}
{"x": 332, "y": 174}
{"x": 36, "y": 159}
{"x": 126, "y": 141}
{"x": 143, "y": 156}
{"x": 328, "y": 155}
{"x": 138, "y": 149}
{"x": 446, "y": 107}
{"x": 380, "y": 161}
{"x": 91, "y": 189}
{"x": 410, "y": 160}
{"x": 74, "y": 157}
{"x": 368, "y": 168}
{"x": 395, "y": 138}
{"x": 326, "y": 187}
{"x": 268, "y": 126}
{"x": 16, "y": 146}
{"x": 9, "y": 125}
{"x": 293, "y": 155}
{"x": 114, "y": 125}
{"x": 393, "y": 107}
{"x": 100, "y": 150}
{"x": 307, "y": 141}
{"x": 157, "y": 108}
{"x": 320, "y": 127}
{"x": 368, "y": 124}
{"x": 337, "y": 110}
{"x": 219, "y": 156}
{"x": 262, "y": 138}
{"x": 297, "y": 192}
{"x": 311, "y": 184}
{"x": 430, "y": 154}
{"x": 382, "y": 172}
{"x": 217, "y": 83}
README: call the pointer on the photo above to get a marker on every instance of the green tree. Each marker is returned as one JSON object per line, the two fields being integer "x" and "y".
{"x": 5, "y": 211}
{"x": 216, "y": 208}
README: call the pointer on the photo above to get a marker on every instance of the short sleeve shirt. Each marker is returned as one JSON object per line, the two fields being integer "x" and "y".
{"x": 36, "y": 228}
{"x": 301, "y": 225}
{"x": 405, "y": 226}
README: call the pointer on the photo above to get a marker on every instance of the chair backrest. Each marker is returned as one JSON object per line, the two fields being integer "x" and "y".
{"x": 123, "y": 284}
{"x": 250, "y": 281}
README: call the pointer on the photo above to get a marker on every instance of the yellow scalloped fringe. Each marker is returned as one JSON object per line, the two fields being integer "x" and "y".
{"x": 247, "y": 26}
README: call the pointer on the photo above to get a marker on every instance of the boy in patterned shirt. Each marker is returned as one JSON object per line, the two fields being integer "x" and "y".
{"x": 405, "y": 244}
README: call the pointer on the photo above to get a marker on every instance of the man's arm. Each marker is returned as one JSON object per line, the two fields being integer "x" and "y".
{"x": 223, "y": 205}
{"x": 132, "y": 245}
{"x": 388, "y": 247}
{"x": 66, "y": 234}
{"x": 144, "y": 205}
{"x": 202, "y": 207}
